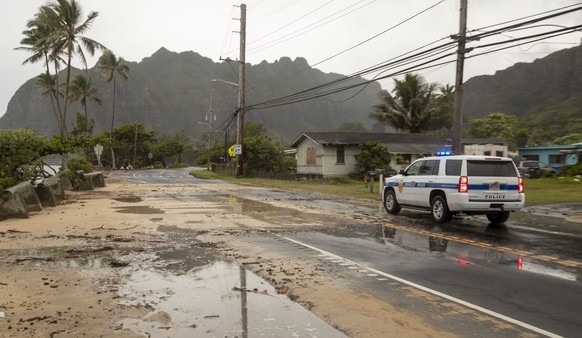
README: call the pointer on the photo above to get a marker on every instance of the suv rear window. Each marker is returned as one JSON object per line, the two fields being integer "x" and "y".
{"x": 491, "y": 168}
{"x": 453, "y": 167}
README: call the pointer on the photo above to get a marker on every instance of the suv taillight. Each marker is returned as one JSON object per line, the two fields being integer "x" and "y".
{"x": 520, "y": 186}
{"x": 463, "y": 184}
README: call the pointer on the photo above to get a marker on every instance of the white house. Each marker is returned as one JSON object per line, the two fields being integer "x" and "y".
{"x": 332, "y": 154}
{"x": 487, "y": 147}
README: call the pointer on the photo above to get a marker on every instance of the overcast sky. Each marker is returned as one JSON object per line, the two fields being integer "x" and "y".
{"x": 313, "y": 29}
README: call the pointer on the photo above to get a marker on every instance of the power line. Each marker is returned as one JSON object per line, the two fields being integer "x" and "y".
{"x": 312, "y": 93}
{"x": 358, "y": 44}
{"x": 307, "y": 29}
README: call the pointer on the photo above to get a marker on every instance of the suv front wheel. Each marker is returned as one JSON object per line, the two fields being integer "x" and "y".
{"x": 440, "y": 210}
{"x": 390, "y": 203}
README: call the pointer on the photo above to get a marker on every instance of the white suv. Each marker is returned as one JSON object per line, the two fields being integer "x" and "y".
{"x": 451, "y": 185}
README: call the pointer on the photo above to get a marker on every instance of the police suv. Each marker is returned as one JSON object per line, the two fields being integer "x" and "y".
{"x": 452, "y": 185}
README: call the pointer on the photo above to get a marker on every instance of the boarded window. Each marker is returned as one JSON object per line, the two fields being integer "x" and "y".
{"x": 310, "y": 156}
{"x": 341, "y": 155}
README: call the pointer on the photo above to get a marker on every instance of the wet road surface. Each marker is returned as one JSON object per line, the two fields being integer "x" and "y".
{"x": 526, "y": 274}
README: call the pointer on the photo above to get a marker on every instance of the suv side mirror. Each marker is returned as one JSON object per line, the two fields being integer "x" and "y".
{"x": 402, "y": 172}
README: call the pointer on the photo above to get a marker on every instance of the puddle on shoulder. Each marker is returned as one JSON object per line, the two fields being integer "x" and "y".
{"x": 221, "y": 299}
{"x": 138, "y": 209}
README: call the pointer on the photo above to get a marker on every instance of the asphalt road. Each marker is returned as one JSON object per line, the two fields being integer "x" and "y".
{"x": 527, "y": 273}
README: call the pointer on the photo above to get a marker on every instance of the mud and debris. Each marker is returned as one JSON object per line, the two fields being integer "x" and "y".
{"x": 167, "y": 260}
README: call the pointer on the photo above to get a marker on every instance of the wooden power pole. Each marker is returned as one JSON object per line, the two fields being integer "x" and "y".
{"x": 458, "y": 115}
{"x": 240, "y": 120}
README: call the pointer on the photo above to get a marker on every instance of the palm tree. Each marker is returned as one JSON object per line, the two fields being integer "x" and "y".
{"x": 110, "y": 67}
{"x": 82, "y": 90}
{"x": 36, "y": 42}
{"x": 414, "y": 107}
{"x": 48, "y": 82}
{"x": 64, "y": 22}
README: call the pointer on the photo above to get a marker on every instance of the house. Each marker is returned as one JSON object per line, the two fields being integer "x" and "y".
{"x": 554, "y": 156}
{"x": 486, "y": 147}
{"x": 332, "y": 154}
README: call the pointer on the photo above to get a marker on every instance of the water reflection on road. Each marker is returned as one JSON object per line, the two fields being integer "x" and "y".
{"x": 464, "y": 253}
{"x": 221, "y": 299}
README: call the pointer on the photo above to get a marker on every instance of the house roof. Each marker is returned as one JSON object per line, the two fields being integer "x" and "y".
{"x": 481, "y": 141}
{"x": 394, "y": 142}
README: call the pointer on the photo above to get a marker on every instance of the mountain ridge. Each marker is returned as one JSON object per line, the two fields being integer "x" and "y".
{"x": 170, "y": 91}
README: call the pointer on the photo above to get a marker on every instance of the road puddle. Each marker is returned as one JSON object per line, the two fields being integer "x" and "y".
{"x": 467, "y": 254}
{"x": 138, "y": 209}
{"x": 221, "y": 299}
{"x": 128, "y": 198}
{"x": 192, "y": 291}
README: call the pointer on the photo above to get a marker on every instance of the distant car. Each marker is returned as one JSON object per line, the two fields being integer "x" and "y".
{"x": 452, "y": 185}
{"x": 534, "y": 169}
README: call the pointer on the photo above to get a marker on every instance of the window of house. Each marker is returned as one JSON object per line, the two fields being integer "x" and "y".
{"x": 487, "y": 153}
{"x": 311, "y": 154}
{"x": 499, "y": 153}
{"x": 557, "y": 159}
{"x": 341, "y": 155}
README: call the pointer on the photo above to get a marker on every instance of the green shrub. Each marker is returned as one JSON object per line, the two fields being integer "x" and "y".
{"x": 7, "y": 182}
{"x": 571, "y": 170}
{"x": 77, "y": 163}
{"x": 179, "y": 165}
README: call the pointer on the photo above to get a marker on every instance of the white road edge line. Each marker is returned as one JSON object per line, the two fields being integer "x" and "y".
{"x": 138, "y": 179}
{"x": 436, "y": 293}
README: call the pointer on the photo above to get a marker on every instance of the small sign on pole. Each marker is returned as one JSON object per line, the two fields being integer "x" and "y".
{"x": 98, "y": 151}
{"x": 237, "y": 149}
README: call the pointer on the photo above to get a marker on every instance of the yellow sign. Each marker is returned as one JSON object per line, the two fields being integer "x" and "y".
{"x": 231, "y": 151}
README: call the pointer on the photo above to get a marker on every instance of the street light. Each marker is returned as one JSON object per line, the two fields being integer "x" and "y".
{"x": 239, "y": 120}
{"x": 227, "y": 82}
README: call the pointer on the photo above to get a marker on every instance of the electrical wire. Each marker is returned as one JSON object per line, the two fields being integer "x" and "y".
{"x": 357, "y": 45}
{"x": 308, "y": 28}
{"x": 312, "y": 94}
{"x": 425, "y": 59}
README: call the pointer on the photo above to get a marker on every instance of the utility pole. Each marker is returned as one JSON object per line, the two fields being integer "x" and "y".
{"x": 458, "y": 114}
{"x": 210, "y": 117}
{"x": 240, "y": 119}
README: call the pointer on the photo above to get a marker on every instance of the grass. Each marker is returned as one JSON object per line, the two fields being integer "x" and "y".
{"x": 553, "y": 190}
{"x": 537, "y": 191}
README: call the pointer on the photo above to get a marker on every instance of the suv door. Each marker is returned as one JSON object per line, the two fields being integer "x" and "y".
{"x": 407, "y": 184}
{"x": 425, "y": 182}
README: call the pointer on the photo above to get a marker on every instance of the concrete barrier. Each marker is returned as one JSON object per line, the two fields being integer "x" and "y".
{"x": 88, "y": 181}
{"x": 51, "y": 190}
{"x": 17, "y": 201}
{"x": 45, "y": 195}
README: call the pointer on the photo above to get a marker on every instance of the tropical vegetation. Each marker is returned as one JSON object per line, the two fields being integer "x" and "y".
{"x": 372, "y": 156}
{"x": 415, "y": 106}
{"x": 111, "y": 67}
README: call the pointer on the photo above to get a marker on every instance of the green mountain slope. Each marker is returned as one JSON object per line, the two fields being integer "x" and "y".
{"x": 171, "y": 91}
{"x": 545, "y": 95}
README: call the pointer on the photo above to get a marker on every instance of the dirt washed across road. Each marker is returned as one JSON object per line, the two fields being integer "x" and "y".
{"x": 199, "y": 260}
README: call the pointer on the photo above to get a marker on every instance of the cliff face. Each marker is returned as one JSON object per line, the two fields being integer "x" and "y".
{"x": 526, "y": 88}
{"x": 172, "y": 91}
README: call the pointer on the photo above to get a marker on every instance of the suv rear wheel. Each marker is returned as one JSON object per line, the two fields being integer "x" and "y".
{"x": 390, "y": 203}
{"x": 497, "y": 218}
{"x": 440, "y": 210}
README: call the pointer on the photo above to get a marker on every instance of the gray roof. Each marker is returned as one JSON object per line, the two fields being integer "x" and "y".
{"x": 395, "y": 142}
